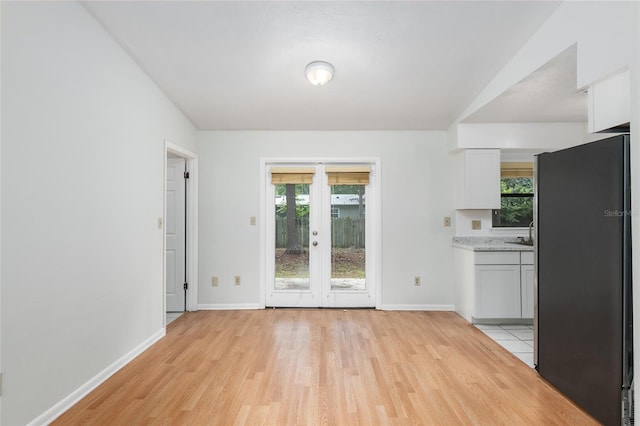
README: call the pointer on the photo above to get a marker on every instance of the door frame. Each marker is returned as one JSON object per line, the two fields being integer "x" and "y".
{"x": 374, "y": 215}
{"x": 191, "y": 247}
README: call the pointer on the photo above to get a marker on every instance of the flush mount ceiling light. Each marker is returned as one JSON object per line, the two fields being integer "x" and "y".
{"x": 319, "y": 73}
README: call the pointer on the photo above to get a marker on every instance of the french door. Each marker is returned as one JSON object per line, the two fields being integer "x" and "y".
{"x": 318, "y": 235}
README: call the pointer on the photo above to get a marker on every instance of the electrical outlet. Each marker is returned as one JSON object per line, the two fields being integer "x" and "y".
{"x": 476, "y": 224}
{"x": 214, "y": 281}
{"x": 416, "y": 281}
{"x": 236, "y": 280}
{"x": 447, "y": 221}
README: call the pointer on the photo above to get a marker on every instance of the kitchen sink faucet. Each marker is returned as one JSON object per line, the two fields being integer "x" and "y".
{"x": 530, "y": 234}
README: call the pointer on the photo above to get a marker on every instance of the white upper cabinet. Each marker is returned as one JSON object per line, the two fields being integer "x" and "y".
{"x": 478, "y": 179}
{"x": 610, "y": 103}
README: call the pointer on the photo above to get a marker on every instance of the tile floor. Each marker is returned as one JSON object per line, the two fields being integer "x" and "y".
{"x": 517, "y": 339}
{"x": 172, "y": 316}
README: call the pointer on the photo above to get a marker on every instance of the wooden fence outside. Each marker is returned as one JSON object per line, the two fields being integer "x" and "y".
{"x": 345, "y": 232}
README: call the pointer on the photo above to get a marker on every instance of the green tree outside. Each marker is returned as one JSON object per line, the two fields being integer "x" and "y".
{"x": 516, "y": 210}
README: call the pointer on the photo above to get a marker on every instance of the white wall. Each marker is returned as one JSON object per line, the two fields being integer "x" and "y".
{"x": 82, "y": 187}
{"x": 416, "y": 194}
{"x": 0, "y": 213}
{"x": 463, "y": 220}
{"x": 542, "y": 136}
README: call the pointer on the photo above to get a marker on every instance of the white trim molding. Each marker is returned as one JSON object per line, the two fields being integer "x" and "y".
{"x": 57, "y": 410}
{"x": 446, "y": 308}
{"x": 229, "y": 306}
{"x": 192, "y": 224}
{"x": 374, "y": 219}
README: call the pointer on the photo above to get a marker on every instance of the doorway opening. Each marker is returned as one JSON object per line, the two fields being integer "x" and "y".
{"x": 180, "y": 232}
{"x": 321, "y": 242}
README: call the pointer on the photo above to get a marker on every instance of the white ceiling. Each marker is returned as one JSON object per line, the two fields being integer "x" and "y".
{"x": 399, "y": 65}
{"x": 548, "y": 95}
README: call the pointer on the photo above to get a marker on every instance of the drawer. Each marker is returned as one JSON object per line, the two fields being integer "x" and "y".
{"x": 497, "y": 258}
{"x": 527, "y": 258}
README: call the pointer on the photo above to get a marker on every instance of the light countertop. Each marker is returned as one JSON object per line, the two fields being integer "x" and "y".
{"x": 489, "y": 244}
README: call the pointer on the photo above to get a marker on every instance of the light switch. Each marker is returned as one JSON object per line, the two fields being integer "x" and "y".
{"x": 447, "y": 221}
{"x": 159, "y": 223}
{"x": 476, "y": 224}
{"x": 252, "y": 221}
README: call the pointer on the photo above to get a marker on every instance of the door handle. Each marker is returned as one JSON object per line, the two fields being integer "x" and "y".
{"x": 315, "y": 243}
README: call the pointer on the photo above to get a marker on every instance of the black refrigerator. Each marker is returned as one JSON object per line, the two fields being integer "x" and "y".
{"x": 583, "y": 315}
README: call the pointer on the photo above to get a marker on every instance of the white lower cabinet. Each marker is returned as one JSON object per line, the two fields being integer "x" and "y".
{"x": 498, "y": 291}
{"x": 526, "y": 280}
{"x": 494, "y": 285}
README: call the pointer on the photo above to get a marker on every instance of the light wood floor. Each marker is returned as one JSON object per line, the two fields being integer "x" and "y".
{"x": 333, "y": 367}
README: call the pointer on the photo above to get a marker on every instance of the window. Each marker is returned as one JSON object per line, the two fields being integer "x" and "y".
{"x": 516, "y": 196}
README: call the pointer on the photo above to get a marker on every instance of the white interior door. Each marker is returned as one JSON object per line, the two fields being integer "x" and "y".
{"x": 175, "y": 235}
{"x": 317, "y": 254}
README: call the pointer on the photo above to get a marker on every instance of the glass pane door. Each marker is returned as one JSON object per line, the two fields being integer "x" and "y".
{"x": 348, "y": 230}
{"x": 346, "y": 226}
{"x": 291, "y": 237}
{"x": 292, "y": 272}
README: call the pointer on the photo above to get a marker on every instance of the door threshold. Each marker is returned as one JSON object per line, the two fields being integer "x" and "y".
{"x": 326, "y": 308}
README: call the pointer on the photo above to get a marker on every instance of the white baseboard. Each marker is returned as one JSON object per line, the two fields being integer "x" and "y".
{"x": 57, "y": 410}
{"x": 246, "y": 306}
{"x": 229, "y": 306}
{"x": 416, "y": 307}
